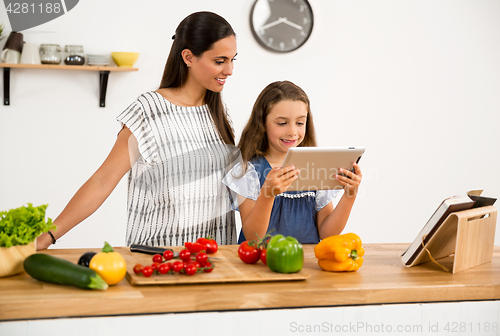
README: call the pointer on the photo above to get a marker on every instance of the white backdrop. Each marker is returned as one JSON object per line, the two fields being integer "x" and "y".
{"x": 416, "y": 82}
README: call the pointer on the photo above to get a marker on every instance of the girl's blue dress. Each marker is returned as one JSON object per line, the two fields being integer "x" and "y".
{"x": 294, "y": 212}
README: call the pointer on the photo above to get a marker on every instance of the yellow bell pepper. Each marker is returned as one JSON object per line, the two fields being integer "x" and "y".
{"x": 110, "y": 265}
{"x": 340, "y": 253}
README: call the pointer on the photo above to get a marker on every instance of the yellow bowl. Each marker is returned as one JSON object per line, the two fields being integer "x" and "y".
{"x": 125, "y": 59}
{"x": 12, "y": 258}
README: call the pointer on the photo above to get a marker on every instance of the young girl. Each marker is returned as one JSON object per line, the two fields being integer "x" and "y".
{"x": 281, "y": 118}
{"x": 175, "y": 143}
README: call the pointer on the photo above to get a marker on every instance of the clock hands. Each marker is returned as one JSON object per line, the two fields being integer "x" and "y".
{"x": 274, "y": 23}
{"x": 281, "y": 20}
{"x": 294, "y": 25}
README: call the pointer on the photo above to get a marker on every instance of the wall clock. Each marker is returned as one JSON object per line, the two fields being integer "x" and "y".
{"x": 281, "y": 25}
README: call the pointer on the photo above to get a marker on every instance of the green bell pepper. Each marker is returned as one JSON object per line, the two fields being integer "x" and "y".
{"x": 284, "y": 255}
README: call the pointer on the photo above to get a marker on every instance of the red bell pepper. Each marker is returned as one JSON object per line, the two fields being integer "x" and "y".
{"x": 195, "y": 247}
{"x": 209, "y": 243}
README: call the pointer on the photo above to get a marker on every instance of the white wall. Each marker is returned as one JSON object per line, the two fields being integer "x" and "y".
{"x": 416, "y": 82}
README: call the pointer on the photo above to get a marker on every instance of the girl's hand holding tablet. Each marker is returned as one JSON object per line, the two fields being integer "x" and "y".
{"x": 278, "y": 180}
{"x": 350, "y": 180}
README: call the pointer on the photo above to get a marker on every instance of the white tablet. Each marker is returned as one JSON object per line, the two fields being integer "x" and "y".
{"x": 318, "y": 165}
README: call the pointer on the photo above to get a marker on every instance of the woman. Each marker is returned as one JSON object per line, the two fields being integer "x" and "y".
{"x": 177, "y": 143}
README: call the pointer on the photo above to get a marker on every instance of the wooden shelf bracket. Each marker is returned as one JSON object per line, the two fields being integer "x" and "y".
{"x": 103, "y": 85}
{"x": 6, "y": 86}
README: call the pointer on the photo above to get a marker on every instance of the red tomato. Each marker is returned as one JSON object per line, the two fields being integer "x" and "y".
{"x": 194, "y": 247}
{"x": 202, "y": 258}
{"x": 248, "y": 254}
{"x": 263, "y": 253}
{"x": 208, "y": 267}
{"x": 190, "y": 269}
{"x": 157, "y": 258}
{"x": 177, "y": 266}
{"x": 147, "y": 271}
{"x": 168, "y": 255}
{"x": 210, "y": 244}
{"x": 184, "y": 255}
{"x": 155, "y": 266}
{"x": 138, "y": 268}
{"x": 164, "y": 268}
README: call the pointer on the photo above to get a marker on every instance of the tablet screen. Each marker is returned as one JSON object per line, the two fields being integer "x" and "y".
{"x": 318, "y": 165}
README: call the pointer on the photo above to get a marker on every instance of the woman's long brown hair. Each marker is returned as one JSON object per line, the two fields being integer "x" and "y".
{"x": 253, "y": 141}
{"x": 198, "y": 32}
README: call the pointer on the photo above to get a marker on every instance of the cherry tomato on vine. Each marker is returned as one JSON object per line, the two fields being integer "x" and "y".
{"x": 190, "y": 269}
{"x": 157, "y": 258}
{"x": 263, "y": 253}
{"x": 168, "y": 255}
{"x": 184, "y": 255}
{"x": 164, "y": 268}
{"x": 155, "y": 266}
{"x": 147, "y": 271}
{"x": 202, "y": 258}
{"x": 138, "y": 268}
{"x": 177, "y": 266}
{"x": 249, "y": 254}
{"x": 208, "y": 267}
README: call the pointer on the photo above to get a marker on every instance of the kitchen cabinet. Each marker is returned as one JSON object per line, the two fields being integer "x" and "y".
{"x": 104, "y": 72}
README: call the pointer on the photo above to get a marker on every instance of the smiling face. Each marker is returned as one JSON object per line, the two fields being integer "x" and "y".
{"x": 285, "y": 127}
{"x": 214, "y": 66}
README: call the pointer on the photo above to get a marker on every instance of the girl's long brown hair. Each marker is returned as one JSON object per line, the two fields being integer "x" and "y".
{"x": 253, "y": 141}
{"x": 198, "y": 32}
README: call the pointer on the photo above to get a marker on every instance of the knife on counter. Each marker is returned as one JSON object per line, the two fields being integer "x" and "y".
{"x": 150, "y": 249}
{"x": 154, "y": 250}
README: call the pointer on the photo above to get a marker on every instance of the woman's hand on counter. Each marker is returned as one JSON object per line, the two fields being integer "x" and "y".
{"x": 43, "y": 241}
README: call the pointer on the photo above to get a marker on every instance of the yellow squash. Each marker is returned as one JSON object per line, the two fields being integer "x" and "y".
{"x": 110, "y": 265}
{"x": 340, "y": 253}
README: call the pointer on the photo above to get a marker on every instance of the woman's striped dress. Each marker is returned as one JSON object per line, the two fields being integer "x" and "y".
{"x": 175, "y": 193}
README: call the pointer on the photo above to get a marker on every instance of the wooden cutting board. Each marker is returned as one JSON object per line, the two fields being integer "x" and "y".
{"x": 228, "y": 268}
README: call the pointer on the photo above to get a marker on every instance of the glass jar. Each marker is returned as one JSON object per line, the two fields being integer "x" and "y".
{"x": 50, "y": 53}
{"x": 73, "y": 55}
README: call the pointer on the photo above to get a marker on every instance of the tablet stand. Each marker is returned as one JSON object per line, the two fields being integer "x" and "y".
{"x": 475, "y": 236}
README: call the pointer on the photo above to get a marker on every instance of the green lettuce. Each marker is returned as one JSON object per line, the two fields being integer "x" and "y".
{"x": 22, "y": 225}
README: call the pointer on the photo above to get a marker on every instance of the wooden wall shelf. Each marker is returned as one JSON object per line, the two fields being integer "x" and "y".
{"x": 103, "y": 76}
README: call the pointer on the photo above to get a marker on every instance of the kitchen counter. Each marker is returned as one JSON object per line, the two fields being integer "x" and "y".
{"x": 382, "y": 279}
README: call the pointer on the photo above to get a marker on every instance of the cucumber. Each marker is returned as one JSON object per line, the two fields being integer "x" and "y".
{"x": 48, "y": 268}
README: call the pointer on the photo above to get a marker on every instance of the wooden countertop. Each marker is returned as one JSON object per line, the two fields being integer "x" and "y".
{"x": 382, "y": 279}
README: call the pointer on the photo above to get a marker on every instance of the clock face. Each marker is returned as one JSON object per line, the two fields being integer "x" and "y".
{"x": 281, "y": 25}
